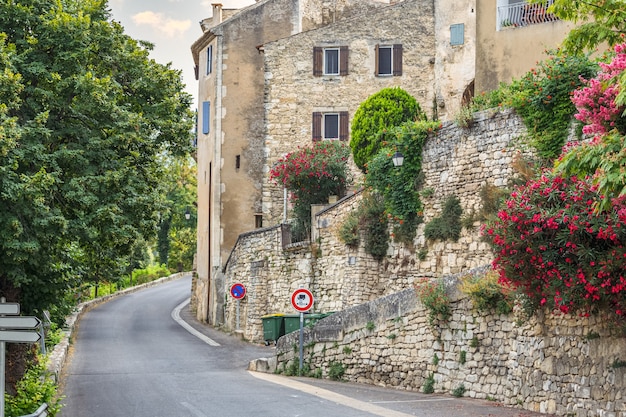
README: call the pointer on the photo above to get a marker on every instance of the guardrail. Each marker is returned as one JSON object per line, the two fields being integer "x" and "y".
{"x": 41, "y": 411}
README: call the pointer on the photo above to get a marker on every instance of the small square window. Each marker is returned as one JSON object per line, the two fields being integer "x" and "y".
{"x": 331, "y": 61}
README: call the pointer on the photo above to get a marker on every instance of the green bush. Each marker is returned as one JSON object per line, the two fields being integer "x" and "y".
{"x": 448, "y": 225}
{"x": 349, "y": 230}
{"x": 385, "y": 109}
{"x": 542, "y": 98}
{"x": 336, "y": 371}
{"x": 486, "y": 293}
{"x": 376, "y": 227}
{"x": 435, "y": 298}
{"x": 429, "y": 385}
{"x": 149, "y": 274}
{"x": 34, "y": 389}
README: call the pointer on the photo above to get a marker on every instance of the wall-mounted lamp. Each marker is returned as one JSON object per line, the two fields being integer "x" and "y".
{"x": 398, "y": 159}
{"x": 187, "y": 214}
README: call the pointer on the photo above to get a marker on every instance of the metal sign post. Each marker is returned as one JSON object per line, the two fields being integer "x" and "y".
{"x": 237, "y": 291}
{"x": 302, "y": 300}
{"x": 14, "y": 329}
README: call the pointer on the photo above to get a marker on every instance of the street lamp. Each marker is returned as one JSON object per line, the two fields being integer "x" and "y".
{"x": 398, "y": 159}
{"x": 187, "y": 214}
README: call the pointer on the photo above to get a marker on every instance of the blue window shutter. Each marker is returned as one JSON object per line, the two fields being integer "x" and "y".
{"x": 206, "y": 111}
{"x": 457, "y": 34}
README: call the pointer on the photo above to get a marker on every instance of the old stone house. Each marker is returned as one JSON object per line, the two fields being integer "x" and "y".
{"x": 273, "y": 74}
{"x": 231, "y": 127}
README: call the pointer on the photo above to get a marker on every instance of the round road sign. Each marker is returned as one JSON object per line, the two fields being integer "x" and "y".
{"x": 302, "y": 300}
{"x": 238, "y": 291}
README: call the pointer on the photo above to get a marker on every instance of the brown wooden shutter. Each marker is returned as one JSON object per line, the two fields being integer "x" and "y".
{"x": 397, "y": 59}
{"x": 317, "y": 126}
{"x": 318, "y": 61}
{"x": 343, "y": 125}
{"x": 376, "y": 60}
{"x": 343, "y": 60}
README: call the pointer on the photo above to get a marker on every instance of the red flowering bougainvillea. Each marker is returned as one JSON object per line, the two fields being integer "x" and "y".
{"x": 553, "y": 245}
{"x": 312, "y": 174}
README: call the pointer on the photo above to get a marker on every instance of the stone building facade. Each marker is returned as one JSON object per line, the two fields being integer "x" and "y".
{"x": 231, "y": 125}
{"x": 295, "y": 93}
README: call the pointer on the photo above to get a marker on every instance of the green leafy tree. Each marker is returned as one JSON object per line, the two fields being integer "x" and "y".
{"x": 88, "y": 118}
{"x": 598, "y": 22}
{"x": 383, "y": 110}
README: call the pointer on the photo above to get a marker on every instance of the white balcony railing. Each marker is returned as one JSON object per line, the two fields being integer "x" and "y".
{"x": 523, "y": 14}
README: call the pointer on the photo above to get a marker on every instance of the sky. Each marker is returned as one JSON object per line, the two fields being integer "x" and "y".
{"x": 172, "y": 26}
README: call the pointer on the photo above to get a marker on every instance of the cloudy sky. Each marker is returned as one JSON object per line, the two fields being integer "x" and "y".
{"x": 171, "y": 25}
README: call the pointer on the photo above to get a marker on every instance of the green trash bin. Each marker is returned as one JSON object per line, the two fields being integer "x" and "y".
{"x": 273, "y": 327}
{"x": 292, "y": 321}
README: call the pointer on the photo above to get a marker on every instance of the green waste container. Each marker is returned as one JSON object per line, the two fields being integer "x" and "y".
{"x": 292, "y": 321}
{"x": 273, "y": 327}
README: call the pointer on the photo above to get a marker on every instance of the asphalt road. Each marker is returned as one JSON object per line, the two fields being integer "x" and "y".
{"x": 131, "y": 358}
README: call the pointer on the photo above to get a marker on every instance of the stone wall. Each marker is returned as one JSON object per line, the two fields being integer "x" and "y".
{"x": 560, "y": 364}
{"x": 455, "y": 160}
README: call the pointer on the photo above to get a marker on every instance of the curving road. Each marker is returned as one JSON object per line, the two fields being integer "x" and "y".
{"x": 131, "y": 358}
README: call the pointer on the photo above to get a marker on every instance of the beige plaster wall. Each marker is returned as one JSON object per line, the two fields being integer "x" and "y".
{"x": 511, "y": 52}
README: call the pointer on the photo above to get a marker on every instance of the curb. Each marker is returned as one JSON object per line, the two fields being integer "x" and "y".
{"x": 57, "y": 357}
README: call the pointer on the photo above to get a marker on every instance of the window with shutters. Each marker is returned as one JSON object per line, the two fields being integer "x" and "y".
{"x": 388, "y": 60}
{"x": 330, "y": 61}
{"x": 330, "y": 126}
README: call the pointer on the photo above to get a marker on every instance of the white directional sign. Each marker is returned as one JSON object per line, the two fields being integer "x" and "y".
{"x": 9, "y": 308}
{"x": 17, "y": 336}
{"x": 17, "y": 322}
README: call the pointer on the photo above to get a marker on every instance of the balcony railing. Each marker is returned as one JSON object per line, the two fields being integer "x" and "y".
{"x": 524, "y": 14}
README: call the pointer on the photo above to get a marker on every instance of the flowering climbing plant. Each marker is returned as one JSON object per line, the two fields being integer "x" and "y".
{"x": 312, "y": 174}
{"x": 596, "y": 102}
{"x": 553, "y": 245}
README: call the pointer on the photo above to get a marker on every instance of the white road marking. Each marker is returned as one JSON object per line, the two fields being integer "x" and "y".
{"x": 329, "y": 395}
{"x": 183, "y": 323}
{"x": 193, "y": 409}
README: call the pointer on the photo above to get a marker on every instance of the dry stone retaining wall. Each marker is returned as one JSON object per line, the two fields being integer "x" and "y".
{"x": 548, "y": 363}
{"x": 341, "y": 277}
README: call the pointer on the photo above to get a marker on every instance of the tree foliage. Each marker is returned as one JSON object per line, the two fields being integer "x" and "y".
{"x": 85, "y": 123}
{"x": 598, "y": 22}
{"x": 385, "y": 109}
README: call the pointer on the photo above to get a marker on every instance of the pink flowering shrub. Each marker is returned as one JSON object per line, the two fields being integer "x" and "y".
{"x": 552, "y": 245}
{"x": 596, "y": 102}
{"x": 312, "y": 174}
